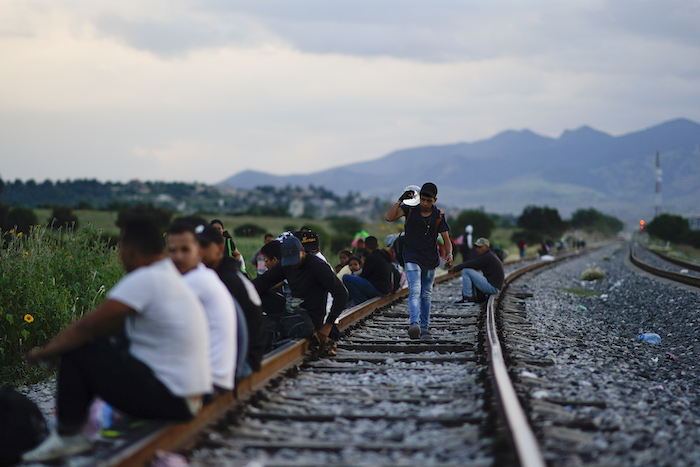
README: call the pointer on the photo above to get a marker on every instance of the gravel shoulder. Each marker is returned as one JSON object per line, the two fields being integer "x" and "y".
{"x": 643, "y": 398}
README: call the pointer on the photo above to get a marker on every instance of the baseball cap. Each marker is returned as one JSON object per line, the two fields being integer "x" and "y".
{"x": 481, "y": 241}
{"x": 309, "y": 240}
{"x": 207, "y": 234}
{"x": 429, "y": 189}
{"x": 291, "y": 247}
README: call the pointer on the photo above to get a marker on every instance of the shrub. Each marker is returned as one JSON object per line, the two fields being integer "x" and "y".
{"x": 345, "y": 224}
{"x": 63, "y": 217}
{"x": 47, "y": 281}
{"x": 248, "y": 230}
{"x": 669, "y": 227}
{"x": 482, "y": 223}
{"x": 20, "y": 219}
{"x": 592, "y": 273}
{"x": 340, "y": 242}
{"x": 544, "y": 220}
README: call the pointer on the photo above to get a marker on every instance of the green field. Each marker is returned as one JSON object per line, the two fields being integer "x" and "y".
{"x": 105, "y": 221}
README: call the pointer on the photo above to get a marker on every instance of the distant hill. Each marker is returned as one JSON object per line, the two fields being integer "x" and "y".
{"x": 580, "y": 169}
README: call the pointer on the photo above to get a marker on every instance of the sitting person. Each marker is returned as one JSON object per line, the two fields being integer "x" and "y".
{"x": 354, "y": 266}
{"x": 310, "y": 280}
{"x": 375, "y": 279}
{"x": 309, "y": 241}
{"x": 258, "y": 260}
{"x": 229, "y": 245}
{"x": 163, "y": 370}
{"x": 493, "y": 275}
{"x": 344, "y": 256}
{"x": 250, "y": 329}
{"x": 184, "y": 250}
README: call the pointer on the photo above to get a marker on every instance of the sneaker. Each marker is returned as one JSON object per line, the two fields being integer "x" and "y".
{"x": 57, "y": 446}
{"x": 465, "y": 300}
{"x": 426, "y": 335}
{"x": 414, "y": 331}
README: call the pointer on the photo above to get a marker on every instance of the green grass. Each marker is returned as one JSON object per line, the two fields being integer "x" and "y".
{"x": 585, "y": 293}
{"x": 680, "y": 251}
{"x": 48, "y": 279}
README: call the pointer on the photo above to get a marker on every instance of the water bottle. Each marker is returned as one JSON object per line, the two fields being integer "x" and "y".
{"x": 650, "y": 337}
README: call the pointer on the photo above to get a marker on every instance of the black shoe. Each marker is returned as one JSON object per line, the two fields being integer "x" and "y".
{"x": 465, "y": 300}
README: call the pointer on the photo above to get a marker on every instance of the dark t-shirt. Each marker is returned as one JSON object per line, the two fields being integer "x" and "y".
{"x": 233, "y": 278}
{"x": 377, "y": 270}
{"x": 489, "y": 264}
{"x": 311, "y": 282}
{"x": 421, "y": 246}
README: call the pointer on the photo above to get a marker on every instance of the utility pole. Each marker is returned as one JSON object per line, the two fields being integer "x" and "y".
{"x": 657, "y": 211}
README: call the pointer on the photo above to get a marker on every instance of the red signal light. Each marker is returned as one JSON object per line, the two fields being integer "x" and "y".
{"x": 641, "y": 224}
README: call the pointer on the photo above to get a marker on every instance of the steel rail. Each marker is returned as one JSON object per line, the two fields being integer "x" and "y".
{"x": 674, "y": 276}
{"x": 522, "y": 436}
{"x": 171, "y": 436}
{"x": 672, "y": 260}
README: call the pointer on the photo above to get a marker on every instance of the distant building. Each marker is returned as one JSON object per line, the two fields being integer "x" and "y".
{"x": 296, "y": 208}
{"x": 694, "y": 222}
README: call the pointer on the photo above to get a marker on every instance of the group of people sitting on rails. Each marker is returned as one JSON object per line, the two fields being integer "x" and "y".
{"x": 186, "y": 323}
{"x": 182, "y": 325}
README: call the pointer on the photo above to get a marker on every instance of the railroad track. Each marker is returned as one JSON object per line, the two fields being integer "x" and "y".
{"x": 386, "y": 397}
{"x": 687, "y": 277}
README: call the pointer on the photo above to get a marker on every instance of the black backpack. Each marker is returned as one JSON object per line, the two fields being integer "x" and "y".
{"x": 22, "y": 426}
{"x": 395, "y": 278}
{"x": 398, "y": 247}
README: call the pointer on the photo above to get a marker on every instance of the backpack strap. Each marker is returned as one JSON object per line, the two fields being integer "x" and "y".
{"x": 439, "y": 219}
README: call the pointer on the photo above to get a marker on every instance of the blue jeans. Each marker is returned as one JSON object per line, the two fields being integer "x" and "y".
{"x": 242, "y": 367}
{"x": 420, "y": 289}
{"x": 471, "y": 280}
{"x": 360, "y": 289}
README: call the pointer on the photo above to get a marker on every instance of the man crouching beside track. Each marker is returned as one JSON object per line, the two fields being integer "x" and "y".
{"x": 488, "y": 263}
{"x": 163, "y": 370}
{"x": 310, "y": 280}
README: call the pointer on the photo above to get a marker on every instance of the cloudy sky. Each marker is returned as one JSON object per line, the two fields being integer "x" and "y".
{"x": 200, "y": 90}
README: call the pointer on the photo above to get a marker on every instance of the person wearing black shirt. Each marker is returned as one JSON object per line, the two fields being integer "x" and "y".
{"x": 311, "y": 280}
{"x": 489, "y": 264}
{"x": 375, "y": 279}
{"x": 423, "y": 224}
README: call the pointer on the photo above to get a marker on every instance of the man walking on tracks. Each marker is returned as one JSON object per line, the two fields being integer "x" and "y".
{"x": 486, "y": 261}
{"x": 423, "y": 223}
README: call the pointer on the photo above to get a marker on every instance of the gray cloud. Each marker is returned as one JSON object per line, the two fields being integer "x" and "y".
{"x": 415, "y": 30}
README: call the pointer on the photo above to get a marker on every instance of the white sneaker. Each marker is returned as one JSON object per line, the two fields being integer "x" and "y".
{"x": 57, "y": 446}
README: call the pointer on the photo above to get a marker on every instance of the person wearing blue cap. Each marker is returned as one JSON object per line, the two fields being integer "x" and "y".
{"x": 310, "y": 280}
{"x": 422, "y": 225}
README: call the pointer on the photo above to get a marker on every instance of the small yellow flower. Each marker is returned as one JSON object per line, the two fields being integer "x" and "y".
{"x": 19, "y": 234}
{"x": 26, "y": 253}
{"x": 12, "y": 230}
{"x": 29, "y": 318}
{"x": 38, "y": 225}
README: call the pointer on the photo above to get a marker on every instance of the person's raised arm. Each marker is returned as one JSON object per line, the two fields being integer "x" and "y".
{"x": 395, "y": 212}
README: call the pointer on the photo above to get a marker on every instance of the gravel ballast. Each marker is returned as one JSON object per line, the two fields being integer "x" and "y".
{"x": 630, "y": 402}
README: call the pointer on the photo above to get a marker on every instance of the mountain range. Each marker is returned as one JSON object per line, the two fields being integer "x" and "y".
{"x": 582, "y": 168}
